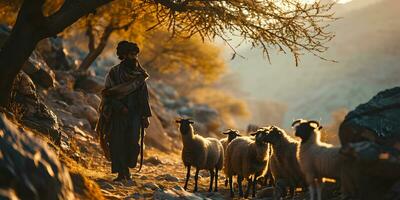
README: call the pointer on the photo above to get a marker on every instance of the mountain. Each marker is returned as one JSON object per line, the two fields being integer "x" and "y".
{"x": 366, "y": 46}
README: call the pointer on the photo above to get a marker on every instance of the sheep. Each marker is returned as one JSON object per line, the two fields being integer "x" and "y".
{"x": 316, "y": 159}
{"x": 232, "y": 134}
{"x": 200, "y": 152}
{"x": 284, "y": 166}
{"x": 247, "y": 158}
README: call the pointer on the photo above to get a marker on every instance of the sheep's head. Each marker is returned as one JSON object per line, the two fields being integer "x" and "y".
{"x": 185, "y": 125}
{"x": 261, "y": 136}
{"x": 232, "y": 134}
{"x": 274, "y": 135}
{"x": 305, "y": 129}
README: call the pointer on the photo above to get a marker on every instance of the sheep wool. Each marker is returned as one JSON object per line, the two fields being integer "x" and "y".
{"x": 284, "y": 166}
{"x": 200, "y": 152}
{"x": 246, "y": 158}
{"x": 317, "y": 159}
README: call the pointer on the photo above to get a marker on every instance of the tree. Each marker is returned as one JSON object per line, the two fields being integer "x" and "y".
{"x": 287, "y": 25}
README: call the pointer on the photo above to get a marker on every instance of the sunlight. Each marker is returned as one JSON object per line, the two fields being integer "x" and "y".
{"x": 337, "y": 1}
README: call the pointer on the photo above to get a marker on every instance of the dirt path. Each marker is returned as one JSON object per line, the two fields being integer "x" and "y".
{"x": 160, "y": 171}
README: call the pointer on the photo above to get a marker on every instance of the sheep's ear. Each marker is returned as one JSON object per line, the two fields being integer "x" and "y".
{"x": 178, "y": 120}
{"x": 255, "y": 133}
{"x": 320, "y": 127}
{"x": 314, "y": 122}
{"x": 191, "y": 121}
{"x": 297, "y": 121}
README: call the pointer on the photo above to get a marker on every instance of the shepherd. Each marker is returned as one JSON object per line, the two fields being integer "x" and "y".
{"x": 124, "y": 112}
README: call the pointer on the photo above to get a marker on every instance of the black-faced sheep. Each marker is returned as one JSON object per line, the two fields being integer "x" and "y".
{"x": 246, "y": 158}
{"x": 284, "y": 166}
{"x": 317, "y": 159}
{"x": 232, "y": 134}
{"x": 201, "y": 153}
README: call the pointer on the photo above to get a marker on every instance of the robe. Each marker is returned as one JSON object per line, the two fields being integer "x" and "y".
{"x": 119, "y": 132}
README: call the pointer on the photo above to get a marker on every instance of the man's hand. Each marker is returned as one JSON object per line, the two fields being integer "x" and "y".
{"x": 145, "y": 122}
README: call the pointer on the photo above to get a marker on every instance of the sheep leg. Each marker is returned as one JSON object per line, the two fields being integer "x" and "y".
{"x": 254, "y": 186}
{"x": 187, "y": 177}
{"x": 239, "y": 180}
{"x": 318, "y": 188}
{"x": 196, "y": 177}
{"x": 211, "y": 180}
{"x": 216, "y": 180}
{"x": 230, "y": 186}
{"x": 249, "y": 183}
{"x": 292, "y": 191}
{"x": 311, "y": 191}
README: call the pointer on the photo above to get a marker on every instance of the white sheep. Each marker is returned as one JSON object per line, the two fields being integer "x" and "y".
{"x": 246, "y": 158}
{"x": 201, "y": 153}
{"x": 284, "y": 166}
{"x": 317, "y": 159}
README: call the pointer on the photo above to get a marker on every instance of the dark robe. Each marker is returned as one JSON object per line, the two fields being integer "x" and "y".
{"x": 120, "y": 132}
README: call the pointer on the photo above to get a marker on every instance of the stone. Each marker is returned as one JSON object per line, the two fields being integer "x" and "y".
{"x": 93, "y": 100}
{"x": 65, "y": 79}
{"x": 151, "y": 186}
{"x": 30, "y": 110}
{"x": 153, "y": 160}
{"x": 29, "y": 167}
{"x": 53, "y": 52}
{"x": 370, "y": 138}
{"x": 167, "y": 177}
{"x": 176, "y": 193}
{"x": 90, "y": 84}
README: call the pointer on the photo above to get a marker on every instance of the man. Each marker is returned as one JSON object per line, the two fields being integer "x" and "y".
{"x": 124, "y": 111}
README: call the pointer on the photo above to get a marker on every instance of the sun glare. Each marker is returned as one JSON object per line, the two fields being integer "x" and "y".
{"x": 337, "y": 1}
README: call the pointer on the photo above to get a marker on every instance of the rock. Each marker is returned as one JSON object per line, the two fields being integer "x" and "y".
{"x": 85, "y": 112}
{"x": 156, "y": 136}
{"x": 93, "y": 100}
{"x": 167, "y": 177}
{"x": 377, "y": 120}
{"x": 153, "y": 160}
{"x": 71, "y": 97}
{"x": 38, "y": 70}
{"x": 53, "y": 52}
{"x": 29, "y": 167}
{"x": 90, "y": 84}
{"x": 30, "y": 110}
{"x": 152, "y": 186}
{"x": 370, "y": 137}
{"x": 65, "y": 79}
{"x": 176, "y": 193}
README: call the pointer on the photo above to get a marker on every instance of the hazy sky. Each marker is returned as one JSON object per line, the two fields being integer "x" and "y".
{"x": 368, "y": 63}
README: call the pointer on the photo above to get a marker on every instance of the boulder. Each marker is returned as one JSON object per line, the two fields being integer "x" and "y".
{"x": 378, "y": 120}
{"x": 156, "y": 136}
{"x": 65, "y": 79}
{"x": 370, "y": 138}
{"x": 38, "y": 70}
{"x": 85, "y": 112}
{"x": 29, "y": 169}
{"x": 93, "y": 100}
{"x": 90, "y": 84}
{"x": 53, "y": 52}
{"x": 30, "y": 110}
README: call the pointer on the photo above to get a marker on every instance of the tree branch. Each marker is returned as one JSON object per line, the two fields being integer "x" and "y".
{"x": 69, "y": 13}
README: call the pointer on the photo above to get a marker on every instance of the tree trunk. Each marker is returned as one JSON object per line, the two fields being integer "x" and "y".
{"x": 31, "y": 26}
{"x": 18, "y": 47}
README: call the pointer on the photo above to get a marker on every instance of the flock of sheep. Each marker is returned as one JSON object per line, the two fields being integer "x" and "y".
{"x": 291, "y": 163}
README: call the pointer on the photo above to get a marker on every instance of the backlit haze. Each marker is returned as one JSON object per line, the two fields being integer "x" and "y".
{"x": 366, "y": 47}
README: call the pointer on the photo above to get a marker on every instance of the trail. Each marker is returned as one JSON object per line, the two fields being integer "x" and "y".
{"x": 161, "y": 171}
